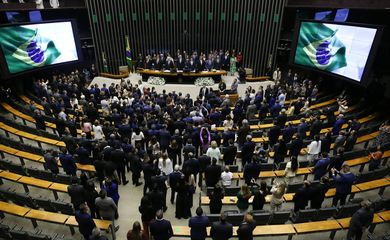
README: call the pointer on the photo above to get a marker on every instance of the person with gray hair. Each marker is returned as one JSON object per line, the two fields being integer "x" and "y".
{"x": 97, "y": 235}
{"x": 247, "y": 150}
{"x": 221, "y": 230}
{"x": 360, "y": 220}
{"x": 242, "y": 133}
{"x": 106, "y": 207}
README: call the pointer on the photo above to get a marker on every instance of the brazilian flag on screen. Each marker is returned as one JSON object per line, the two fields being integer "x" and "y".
{"x": 25, "y": 49}
{"x": 319, "y": 47}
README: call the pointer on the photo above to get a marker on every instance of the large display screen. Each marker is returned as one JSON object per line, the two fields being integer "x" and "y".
{"x": 339, "y": 49}
{"x": 31, "y": 46}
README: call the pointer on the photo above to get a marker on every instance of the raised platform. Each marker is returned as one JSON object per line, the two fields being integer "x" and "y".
{"x": 181, "y": 77}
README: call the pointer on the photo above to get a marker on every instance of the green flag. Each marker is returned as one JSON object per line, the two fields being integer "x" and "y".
{"x": 129, "y": 55}
{"x": 319, "y": 47}
{"x": 26, "y": 49}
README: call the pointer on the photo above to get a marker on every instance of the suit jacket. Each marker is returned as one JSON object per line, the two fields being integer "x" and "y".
{"x": 76, "y": 193}
{"x": 68, "y": 163}
{"x": 86, "y": 223}
{"x": 192, "y": 165}
{"x": 118, "y": 157}
{"x": 245, "y": 231}
{"x": 295, "y": 146}
{"x": 165, "y": 138}
{"x": 204, "y": 162}
{"x": 241, "y": 134}
{"x": 273, "y": 134}
{"x": 161, "y": 229}
{"x": 198, "y": 226}
{"x": 247, "y": 151}
{"x": 204, "y": 91}
{"x": 221, "y": 231}
{"x": 344, "y": 182}
{"x": 251, "y": 170}
{"x": 212, "y": 175}
{"x": 229, "y": 154}
{"x": 187, "y": 149}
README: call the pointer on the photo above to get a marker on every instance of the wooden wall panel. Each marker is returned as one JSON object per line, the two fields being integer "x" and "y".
{"x": 250, "y": 26}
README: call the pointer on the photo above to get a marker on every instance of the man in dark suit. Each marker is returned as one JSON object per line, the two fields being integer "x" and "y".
{"x": 295, "y": 145}
{"x": 188, "y": 148}
{"x": 68, "y": 162}
{"x": 173, "y": 179}
{"x": 69, "y": 141}
{"x": 242, "y": 133}
{"x": 198, "y": 225}
{"x": 343, "y": 183}
{"x": 76, "y": 193}
{"x": 229, "y": 153}
{"x": 288, "y": 132}
{"x": 191, "y": 165}
{"x": 203, "y": 91}
{"x": 221, "y": 230}
{"x": 204, "y": 162}
{"x": 165, "y": 138}
{"x": 149, "y": 171}
{"x": 273, "y": 134}
{"x": 251, "y": 171}
{"x": 160, "y": 228}
{"x": 85, "y": 221}
{"x": 302, "y": 128}
{"x": 119, "y": 158}
{"x": 213, "y": 173}
{"x": 360, "y": 220}
{"x": 338, "y": 124}
{"x": 282, "y": 118}
{"x": 247, "y": 150}
{"x": 315, "y": 127}
{"x": 302, "y": 196}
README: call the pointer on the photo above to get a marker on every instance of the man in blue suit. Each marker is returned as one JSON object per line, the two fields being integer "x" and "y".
{"x": 68, "y": 162}
{"x": 338, "y": 125}
{"x": 198, "y": 225}
{"x": 85, "y": 221}
{"x": 343, "y": 181}
{"x": 160, "y": 228}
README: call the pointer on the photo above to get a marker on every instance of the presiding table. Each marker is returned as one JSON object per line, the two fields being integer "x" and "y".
{"x": 180, "y": 76}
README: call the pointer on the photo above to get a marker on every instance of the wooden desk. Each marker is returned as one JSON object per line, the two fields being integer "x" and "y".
{"x": 10, "y": 176}
{"x": 380, "y": 183}
{"x": 29, "y": 156}
{"x": 87, "y": 168}
{"x": 384, "y": 215}
{"x": 101, "y": 224}
{"x": 344, "y": 222}
{"x": 59, "y": 187}
{"x": 274, "y": 230}
{"x": 28, "y": 101}
{"x": 35, "y": 215}
{"x": 185, "y": 76}
{"x": 230, "y": 200}
{"x": 255, "y": 79}
{"x": 318, "y": 226}
{"x": 8, "y": 150}
{"x": 13, "y": 209}
{"x": 181, "y": 231}
{"x": 35, "y": 182}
